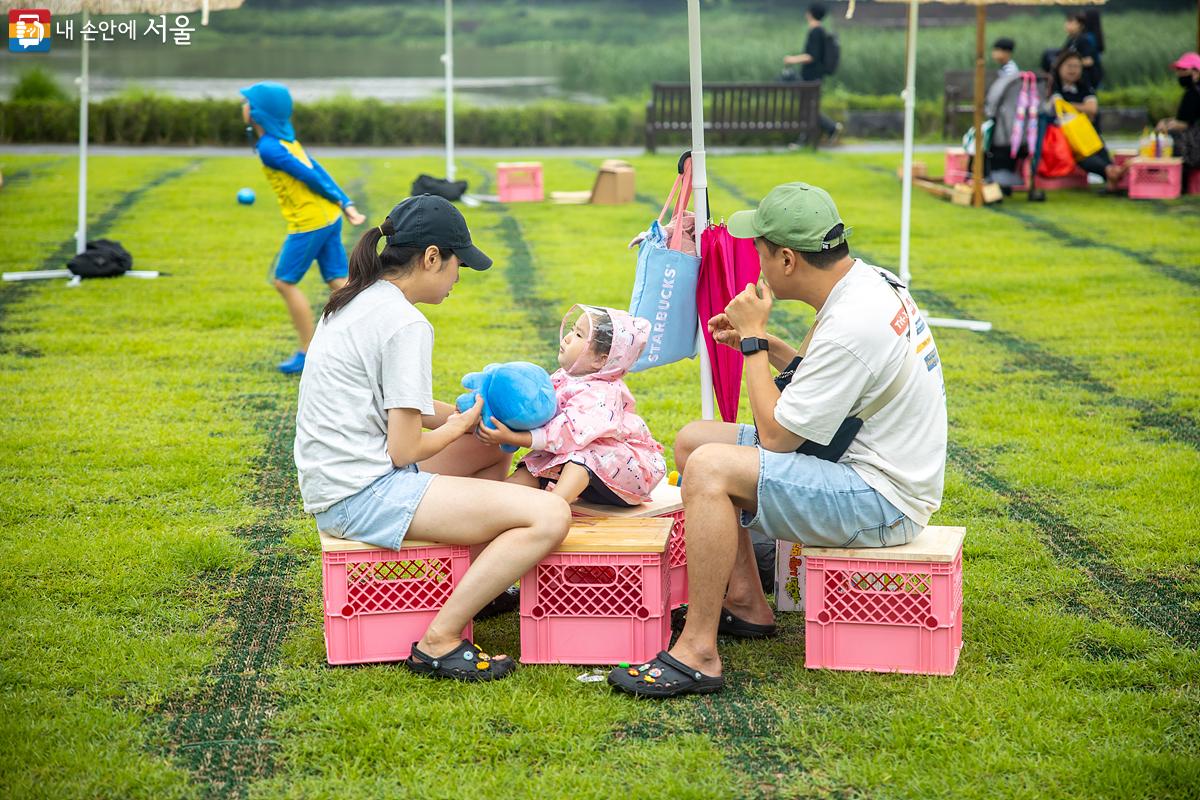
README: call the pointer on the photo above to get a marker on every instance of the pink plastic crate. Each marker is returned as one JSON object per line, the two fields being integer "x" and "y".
{"x": 1076, "y": 180}
{"x": 1119, "y": 158}
{"x": 378, "y": 602}
{"x": 596, "y": 608}
{"x": 878, "y": 611}
{"x": 1155, "y": 178}
{"x": 520, "y": 182}
{"x": 665, "y": 501}
{"x": 957, "y": 166}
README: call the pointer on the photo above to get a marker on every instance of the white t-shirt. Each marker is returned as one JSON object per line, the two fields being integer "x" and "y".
{"x": 856, "y": 351}
{"x": 373, "y": 354}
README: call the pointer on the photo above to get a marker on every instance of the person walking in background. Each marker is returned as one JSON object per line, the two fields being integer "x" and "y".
{"x": 1002, "y": 54}
{"x": 818, "y": 61}
{"x": 311, "y": 202}
{"x": 1084, "y": 36}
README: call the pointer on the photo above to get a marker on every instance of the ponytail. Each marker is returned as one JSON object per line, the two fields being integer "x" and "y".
{"x": 367, "y": 265}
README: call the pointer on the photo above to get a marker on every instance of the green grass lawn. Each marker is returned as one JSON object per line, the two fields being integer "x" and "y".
{"x": 161, "y": 587}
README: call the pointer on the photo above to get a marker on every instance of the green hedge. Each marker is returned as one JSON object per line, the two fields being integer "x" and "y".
{"x": 165, "y": 120}
{"x": 134, "y": 119}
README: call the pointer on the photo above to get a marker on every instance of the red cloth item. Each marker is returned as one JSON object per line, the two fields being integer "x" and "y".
{"x": 1057, "y": 159}
{"x": 726, "y": 266}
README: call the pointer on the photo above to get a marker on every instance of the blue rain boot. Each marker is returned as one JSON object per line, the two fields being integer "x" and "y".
{"x": 294, "y": 364}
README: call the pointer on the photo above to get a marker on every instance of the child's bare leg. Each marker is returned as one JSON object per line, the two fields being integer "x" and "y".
{"x": 524, "y": 477}
{"x": 299, "y": 309}
{"x": 572, "y": 481}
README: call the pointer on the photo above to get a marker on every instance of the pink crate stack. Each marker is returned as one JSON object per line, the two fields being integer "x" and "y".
{"x": 957, "y": 166}
{"x": 1119, "y": 158}
{"x": 1155, "y": 178}
{"x": 602, "y": 598}
{"x": 520, "y": 182}
{"x": 378, "y": 602}
{"x": 665, "y": 501}
{"x": 1076, "y": 180}
{"x": 897, "y": 609}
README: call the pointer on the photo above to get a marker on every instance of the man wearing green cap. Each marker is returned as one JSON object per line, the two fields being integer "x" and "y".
{"x": 849, "y": 443}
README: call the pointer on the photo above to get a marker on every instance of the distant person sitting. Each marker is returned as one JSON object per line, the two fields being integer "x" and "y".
{"x": 1002, "y": 54}
{"x": 1184, "y": 127}
{"x": 1067, "y": 82}
{"x": 818, "y": 61}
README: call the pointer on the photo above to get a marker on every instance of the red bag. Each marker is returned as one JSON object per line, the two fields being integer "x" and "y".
{"x": 1057, "y": 159}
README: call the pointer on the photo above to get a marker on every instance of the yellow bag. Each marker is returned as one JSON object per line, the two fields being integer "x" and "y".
{"x": 1078, "y": 129}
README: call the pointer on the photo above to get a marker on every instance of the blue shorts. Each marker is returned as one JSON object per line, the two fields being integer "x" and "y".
{"x": 380, "y": 514}
{"x": 300, "y": 249}
{"x": 804, "y": 499}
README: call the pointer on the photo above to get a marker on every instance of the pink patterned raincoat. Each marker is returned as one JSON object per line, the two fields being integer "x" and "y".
{"x": 596, "y": 424}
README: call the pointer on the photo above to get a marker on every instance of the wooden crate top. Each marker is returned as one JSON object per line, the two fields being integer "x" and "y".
{"x": 335, "y": 544}
{"x": 665, "y": 499}
{"x": 937, "y": 543}
{"x": 1152, "y": 160}
{"x": 610, "y": 535}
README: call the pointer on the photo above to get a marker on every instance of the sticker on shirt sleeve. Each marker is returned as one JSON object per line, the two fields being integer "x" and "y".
{"x": 931, "y": 359}
{"x": 920, "y": 326}
{"x": 924, "y": 343}
{"x": 900, "y": 322}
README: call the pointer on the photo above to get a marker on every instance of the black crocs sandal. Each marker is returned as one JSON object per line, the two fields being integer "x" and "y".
{"x": 464, "y": 663}
{"x": 729, "y": 625}
{"x": 664, "y": 676}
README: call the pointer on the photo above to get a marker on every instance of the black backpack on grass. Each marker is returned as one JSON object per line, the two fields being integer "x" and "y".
{"x": 103, "y": 258}
{"x": 427, "y": 184}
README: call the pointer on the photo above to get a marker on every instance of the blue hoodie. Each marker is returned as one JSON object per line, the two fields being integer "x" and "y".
{"x": 308, "y": 198}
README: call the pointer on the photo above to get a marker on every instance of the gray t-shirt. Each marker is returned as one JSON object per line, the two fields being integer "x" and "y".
{"x": 856, "y": 352}
{"x": 374, "y": 354}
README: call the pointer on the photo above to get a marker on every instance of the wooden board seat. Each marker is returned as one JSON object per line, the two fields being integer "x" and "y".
{"x": 665, "y": 499}
{"x": 935, "y": 544}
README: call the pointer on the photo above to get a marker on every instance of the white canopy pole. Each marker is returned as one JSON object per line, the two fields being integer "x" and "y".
{"x": 81, "y": 231}
{"x": 448, "y": 60}
{"x": 699, "y": 186}
{"x": 910, "y": 104}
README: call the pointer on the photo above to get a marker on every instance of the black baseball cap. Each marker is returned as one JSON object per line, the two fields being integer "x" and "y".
{"x": 426, "y": 219}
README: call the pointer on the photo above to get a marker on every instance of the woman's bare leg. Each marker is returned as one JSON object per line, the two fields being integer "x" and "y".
{"x": 523, "y": 477}
{"x": 467, "y": 457}
{"x": 522, "y": 524}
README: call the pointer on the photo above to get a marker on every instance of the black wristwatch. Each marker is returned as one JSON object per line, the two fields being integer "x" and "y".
{"x": 754, "y": 344}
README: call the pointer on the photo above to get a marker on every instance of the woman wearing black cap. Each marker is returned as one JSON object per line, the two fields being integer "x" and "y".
{"x": 380, "y": 460}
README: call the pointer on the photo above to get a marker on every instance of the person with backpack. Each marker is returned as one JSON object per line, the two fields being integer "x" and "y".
{"x": 311, "y": 202}
{"x": 818, "y": 61}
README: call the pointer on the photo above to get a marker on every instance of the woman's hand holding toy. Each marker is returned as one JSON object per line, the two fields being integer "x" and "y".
{"x": 465, "y": 421}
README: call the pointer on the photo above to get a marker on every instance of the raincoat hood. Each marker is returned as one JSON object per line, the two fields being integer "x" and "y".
{"x": 629, "y": 337}
{"x": 271, "y": 107}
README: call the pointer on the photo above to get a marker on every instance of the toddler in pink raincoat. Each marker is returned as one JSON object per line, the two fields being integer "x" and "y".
{"x": 596, "y": 447}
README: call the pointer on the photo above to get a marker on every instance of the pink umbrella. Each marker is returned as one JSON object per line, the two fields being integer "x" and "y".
{"x": 726, "y": 266}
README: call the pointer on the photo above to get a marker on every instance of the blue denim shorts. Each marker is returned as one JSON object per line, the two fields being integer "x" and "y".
{"x": 380, "y": 514}
{"x": 324, "y": 245}
{"x": 804, "y": 499}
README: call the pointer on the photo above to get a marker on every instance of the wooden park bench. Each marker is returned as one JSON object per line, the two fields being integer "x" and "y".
{"x": 739, "y": 108}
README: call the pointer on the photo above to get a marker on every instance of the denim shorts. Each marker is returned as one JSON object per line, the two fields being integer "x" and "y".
{"x": 804, "y": 499}
{"x": 324, "y": 245}
{"x": 380, "y": 514}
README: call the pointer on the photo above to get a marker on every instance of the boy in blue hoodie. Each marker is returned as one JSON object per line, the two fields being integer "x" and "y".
{"x": 311, "y": 202}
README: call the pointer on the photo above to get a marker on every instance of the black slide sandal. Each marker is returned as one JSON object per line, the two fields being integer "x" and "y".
{"x": 664, "y": 676}
{"x": 464, "y": 663}
{"x": 729, "y": 626}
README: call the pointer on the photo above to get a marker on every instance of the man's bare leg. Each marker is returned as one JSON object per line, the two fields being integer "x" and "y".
{"x": 744, "y": 598}
{"x": 721, "y": 478}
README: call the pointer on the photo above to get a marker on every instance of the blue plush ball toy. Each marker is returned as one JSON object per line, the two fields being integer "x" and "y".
{"x": 517, "y": 393}
{"x": 246, "y": 197}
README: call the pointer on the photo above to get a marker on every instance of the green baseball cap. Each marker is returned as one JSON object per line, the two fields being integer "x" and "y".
{"x": 795, "y": 215}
